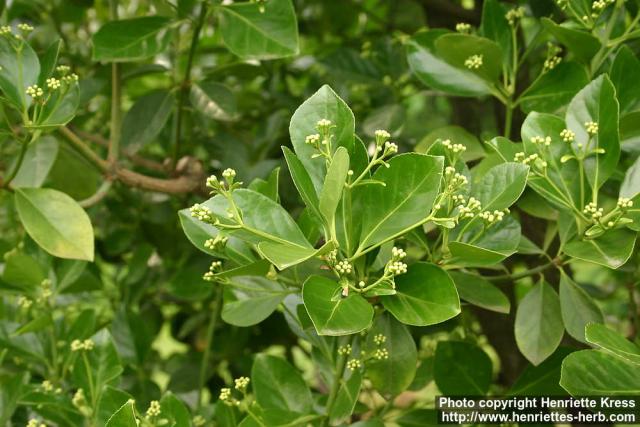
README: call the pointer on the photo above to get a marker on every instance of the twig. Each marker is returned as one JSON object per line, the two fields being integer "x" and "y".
{"x": 209, "y": 340}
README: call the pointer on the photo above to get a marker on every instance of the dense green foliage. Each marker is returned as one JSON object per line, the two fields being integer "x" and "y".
{"x": 299, "y": 212}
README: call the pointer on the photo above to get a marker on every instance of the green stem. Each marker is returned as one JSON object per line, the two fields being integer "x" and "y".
{"x": 88, "y": 371}
{"x": 633, "y": 311}
{"x": 116, "y": 103}
{"x": 525, "y": 273}
{"x": 335, "y": 386}
{"x": 508, "y": 119}
{"x": 186, "y": 82}
{"x": 209, "y": 339}
{"x": 16, "y": 168}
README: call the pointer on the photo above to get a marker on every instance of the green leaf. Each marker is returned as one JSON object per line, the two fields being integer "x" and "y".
{"x": 266, "y": 30}
{"x": 131, "y": 39}
{"x": 538, "y": 326}
{"x": 501, "y": 186}
{"x": 22, "y": 271}
{"x": 20, "y": 69}
{"x": 146, "y": 119}
{"x": 175, "y": 411}
{"x": 434, "y": 71}
{"x": 38, "y": 161}
{"x": 456, "y": 135}
{"x": 285, "y": 255}
{"x": 264, "y": 219}
{"x": 612, "y": 342}
{"x": 612, "y": 249}
{"x": 59, "y": 109}
{"x": 248, "y": 300}
{"x": 347, "y": 397}
{"x": 479, "y": 291}
{"x": 578, "y": 308}
{"x": 268, "y": 187}
{"x": 303, "y": 183}
{"x": 494, "y": 245}
{"x": 494, "y": 26}
{"x": 582, "y": 44}
{"x": 56, "y": 222}
{"x": 415, "y": 418}
{"x": 214, "y": 100}
{"x": 111, "y": 400}
{"x": 278, "y": 385}
{"x": 393, "y": 375}
{"x": 333, "y": 185}
{"x": 324, "y": 104}
{"x": 624, "y": 76}
{"x": 332, "y": 313}
{"x": 48, "y": 62}
{"x": 596, "y": 103}
{"x": 554, "y": 89}
{"x": 541, "y": 380}
{"x": 425, "y": 295}
{"x": 412, "y": 182}
{"x": 630, "y": 187}
{"x": 596, "y": 373}
{"x": 457, "y": 48}
{"x": 124, "y": 417}
{"x": 104, "y": 367}
{"x": 461, "y": 369}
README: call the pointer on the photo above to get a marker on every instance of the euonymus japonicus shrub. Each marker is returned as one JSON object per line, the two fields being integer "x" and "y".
{"x": 309, "y": 315}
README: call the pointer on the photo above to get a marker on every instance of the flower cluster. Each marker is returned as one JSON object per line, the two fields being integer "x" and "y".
{"x": 53, "y": 83}
{"x": 201, "y": 213}
{"x": 217, "y": 243}
{"x": 593, "y": 210}
{"x": 241, "y": 383}
{"x": 79, "y": 400}
{"x": 86, "y": 345}
{"x": 354, "y": 364}
{"x": 598, "y": 6}
{"x": 381, "y": 353}
{"x": 514, "y": 15}
{"x": 344, "y": 350}
{"x": 223, "y": 187}
{"x": 463, "y": 27}
{"x": 210, "y": 275}
{"x": 154, "y": 409}
{"x": 34, "y": 91}
{"x": 591, "y": 127}
{"x": 344, "y": 267}
{"x": 541, "y": 141}
{"x": 321, "y": 141}
{"x": 199, "y": 421}
{"x": 567, "y": 135}
{"x": 552, "y": 62}
{"x": 624, "y": 203}
{"x": 491, "y": 218}
{"x": 25, "y": 27}
{"x": 455, "y": 180}
{"x": 24, "y": 303}
{"x": 5, "y": 29}
{"x": 472, "y": 207}
{"x": 397, "y": 267}
{"x": 35, "y": 423}
{"x": 473, "y": 62}
{"x": 225, "y": 396}
{"x": 379, "y": 339}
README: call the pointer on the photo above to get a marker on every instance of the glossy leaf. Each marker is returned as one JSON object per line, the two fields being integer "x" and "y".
{"x": 596, "y": 103}
{"x": 124, "y": 417}
{"x": 131, "y": 39}
{"x": 330, "y": 312}
{"x": 324, "y": 104}
{"x": 630, "y": 187}
{"x": 541, "y": 380}
{"x": 56, "y": 222}
{"x": 596, "y": 373}
{"x": 539, "y": 328}
{"x": 494, "y": 245}
{"x": 19, "y": 71}
{"x": 286, "y": 255}
{"x": 303, "y": 183}
{"x": 146, "y": 119}
{"x": 479, "y": 291}
{"x": 582, "y": 44}
{"x": 612, "y": 342}
{"x": 624, "y": 74}
{"x": 411, "y": 185}
{"x": 554, "y": 88}
{"x": 249, "y": 300}
{"x": 347, "y": 396}
{"x": 457, "y": 48}
{"x": 260, "y": 31}
{"x": 434, "y": 71}
{"x": 333, "y": 185}
{"x": 578, "y": 308}
{"x": 214, "y": 100}
{"x": 461, "y": 369}
{"x": 38, "y": 161}
{"x": 393, "y": 375}
{"x": 612, "y": 249}
{"x": 425, "y": 295}
{"x": 495, "y": 26}
{"x": 278, "y": 385}
{"x": 60, "y": 108}
{"x": 456, "y": 135}
{"x": 501, "y": 186}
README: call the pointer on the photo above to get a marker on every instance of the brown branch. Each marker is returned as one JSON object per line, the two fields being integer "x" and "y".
{"x": 190, "y": 169}
{"x": 134, "y": 158}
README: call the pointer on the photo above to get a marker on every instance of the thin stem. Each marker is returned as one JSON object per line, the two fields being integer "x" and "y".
{"x": 209, "y": 339}
{"x": 526, "y": 273}
{"x": 633, "y": 311}
{"x": 116, "y": 103}
{"x": 335, "y": 386}
{"x": 508, "y": 119}
{"x": 16, "y": 168}
{"x": 186, "y": 82}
